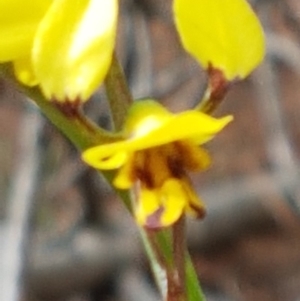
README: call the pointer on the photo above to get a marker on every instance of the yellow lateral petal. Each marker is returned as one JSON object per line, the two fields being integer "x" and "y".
{"x": 18, "y": 23}
{"x": 224, "y": 33}
{"x": 73, "y": 47}
{"x": 192, "y": 125}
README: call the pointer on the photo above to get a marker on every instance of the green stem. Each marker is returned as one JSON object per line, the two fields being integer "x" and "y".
{"x": 193, "y": 287}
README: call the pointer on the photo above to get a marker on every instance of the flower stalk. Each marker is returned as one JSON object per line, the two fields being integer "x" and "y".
{"x": 216, "y": 91}
{"x": 166, "y": 248}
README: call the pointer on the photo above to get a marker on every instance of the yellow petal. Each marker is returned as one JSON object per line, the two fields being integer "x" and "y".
{"x": 173, "y": 199}
{"x": 148, "y": 204}
{"x": 167, "y": 127}
{"x": 126, "y": 175}
{"x": 73, "y": 47}
{"x": 101, "y": 160}
{"x": 190, "y": 125}
{"x": 18, "y": 23}
{"x": 224, "y": 33}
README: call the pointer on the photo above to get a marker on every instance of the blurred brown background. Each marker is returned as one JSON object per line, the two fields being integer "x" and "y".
{"x": 65, "y": 236}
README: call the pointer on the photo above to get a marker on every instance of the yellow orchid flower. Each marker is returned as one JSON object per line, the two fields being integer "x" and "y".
{"x": 65, "y": 46}
{"x": 158, "y": 151}
{"x": 221, "y": 34}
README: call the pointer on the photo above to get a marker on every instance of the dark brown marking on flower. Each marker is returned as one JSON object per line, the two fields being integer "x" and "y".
{"x": 176, "y": 166}
{"x": 200, "y": 212}
{"x": 181, "y": 154}
{"x": 143, "y": 168}
{"x": 70, "y": 108}
{"x": 145, "y": 177}
{"x": 105, "y": 158}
